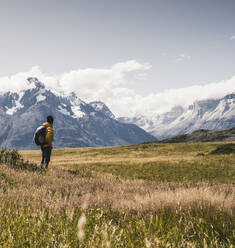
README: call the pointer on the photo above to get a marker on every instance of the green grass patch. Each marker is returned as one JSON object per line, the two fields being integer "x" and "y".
{"x": 201, "y": 170}
{"x": 24, "y": 227}
{"x": 176, "y": 163}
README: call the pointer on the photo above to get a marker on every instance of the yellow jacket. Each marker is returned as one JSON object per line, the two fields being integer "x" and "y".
{"x": 49, "y": 134}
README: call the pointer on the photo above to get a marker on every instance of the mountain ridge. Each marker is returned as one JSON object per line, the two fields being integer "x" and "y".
{"x": 213, "y": 114}
{"x": 77, "y": 123}
{"x": 203, "y": 135}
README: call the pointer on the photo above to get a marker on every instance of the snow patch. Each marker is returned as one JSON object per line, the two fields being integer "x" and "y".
{"x": 63, "y": 110}
{"x": 40, "y": 98}
{"x": 12, "y": 110}
{"x": 76, "y": 106}
{"x": 18, "y": 106}
{"x": 77, "y": 113}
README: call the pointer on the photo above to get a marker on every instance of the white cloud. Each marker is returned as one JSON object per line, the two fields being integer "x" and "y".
{"x": 91, "y": 81}
{"x": 164, "y": 101}
{"x": 141, "y": 76}
{"x": 112, "y": 86}
{"x": 18, "y": 81}
{"x": 180, "y": 57}
{"x": 232, "y": 37}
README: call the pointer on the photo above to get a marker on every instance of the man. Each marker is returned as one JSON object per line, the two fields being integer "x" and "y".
{"x": 47, "y": 147}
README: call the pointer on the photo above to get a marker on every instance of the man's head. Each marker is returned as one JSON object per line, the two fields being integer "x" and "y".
{"x": 50, "y": 119}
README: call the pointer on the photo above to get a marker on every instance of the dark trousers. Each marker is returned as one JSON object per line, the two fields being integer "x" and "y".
{"x": 46, "y": 155}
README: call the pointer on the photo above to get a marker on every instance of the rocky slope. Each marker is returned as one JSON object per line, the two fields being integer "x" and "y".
{"x": 213, "y": 114}
{"x": 77, "y": 124}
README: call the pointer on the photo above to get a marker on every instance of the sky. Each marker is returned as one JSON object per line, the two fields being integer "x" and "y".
{"x": 138, "y": 56}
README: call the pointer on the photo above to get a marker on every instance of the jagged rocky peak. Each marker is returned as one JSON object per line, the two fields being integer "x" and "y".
{"x": 8, "y": 99}
{"x": 101, "y": 107}
{"x": 75, "y": 99}
{"x": 36, "y": 82}
{"x": 230, "y": 96}
{"x": 72, "y": 97}
{"x": 173, "y": 114}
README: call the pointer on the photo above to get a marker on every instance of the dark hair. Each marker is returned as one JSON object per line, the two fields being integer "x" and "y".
{"x": 50, "y": 119}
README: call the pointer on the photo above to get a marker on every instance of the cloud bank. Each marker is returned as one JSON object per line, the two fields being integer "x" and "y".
{"x": 114, "y": 86}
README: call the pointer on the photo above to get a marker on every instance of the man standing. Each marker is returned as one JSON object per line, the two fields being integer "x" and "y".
{"x": 47, "y": 147}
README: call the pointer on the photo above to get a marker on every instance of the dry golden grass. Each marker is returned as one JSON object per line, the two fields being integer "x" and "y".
{"x": 84, "y": 156}
{"x": 62, "y": 187}
{"x": 140, "y": 153}
{"x": 91, "y": 197}
{"x": 58, "y": 188}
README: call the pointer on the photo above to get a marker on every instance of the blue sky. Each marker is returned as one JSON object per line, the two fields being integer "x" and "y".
{"x": 175, "y": 44}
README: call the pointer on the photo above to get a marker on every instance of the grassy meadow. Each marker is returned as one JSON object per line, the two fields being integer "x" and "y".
{"x": 148, "y": 195}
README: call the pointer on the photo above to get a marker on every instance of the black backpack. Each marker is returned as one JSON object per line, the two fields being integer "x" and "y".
{"x": 40, "y": 136}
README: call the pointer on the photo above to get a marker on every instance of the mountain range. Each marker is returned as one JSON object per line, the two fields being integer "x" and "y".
{"x": 213, "y": 114}
{"x": 80, "y": 124}
{"x": 77, "y": 123}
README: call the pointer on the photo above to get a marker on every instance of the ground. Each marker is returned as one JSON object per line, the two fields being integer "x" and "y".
{"x": 148, "y": 195}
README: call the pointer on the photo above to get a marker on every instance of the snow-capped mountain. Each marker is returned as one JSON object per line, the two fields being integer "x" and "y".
{"x": 101, "y": 107}
{"x": 213, "y": 114}
{"x": 77, "y": 123}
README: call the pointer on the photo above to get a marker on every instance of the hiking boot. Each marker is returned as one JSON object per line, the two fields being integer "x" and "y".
{"x": 41, "y": 166}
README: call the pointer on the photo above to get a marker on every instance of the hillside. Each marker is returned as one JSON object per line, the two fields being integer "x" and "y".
{"x": 203, "y": 135}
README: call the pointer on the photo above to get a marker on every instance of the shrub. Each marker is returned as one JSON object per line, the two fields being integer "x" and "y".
{"x": 13, "y": 159}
